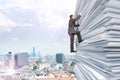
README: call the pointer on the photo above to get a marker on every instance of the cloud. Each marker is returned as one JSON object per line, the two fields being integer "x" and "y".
{"x": 6, "y": 23}
{"x": 14, "y": 39}
{"x": 54, "y": 12}
{"x": 48, "y": 11}
{"x": 36, "y": 22}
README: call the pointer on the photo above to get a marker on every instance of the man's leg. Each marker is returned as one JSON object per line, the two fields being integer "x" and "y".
{"x": 79, "y": 37}
{"x": 72, "y": 43}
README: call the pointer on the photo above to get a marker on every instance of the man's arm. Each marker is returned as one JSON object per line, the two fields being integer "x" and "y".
{"x": 76, "y": 25}
{"x": 78, "y": 17}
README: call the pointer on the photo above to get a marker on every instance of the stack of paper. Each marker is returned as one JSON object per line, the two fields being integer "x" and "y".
{"x": 99, "y": 53}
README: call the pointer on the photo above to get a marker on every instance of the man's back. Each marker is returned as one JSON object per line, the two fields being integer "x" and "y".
{"x": 71, "y": 26}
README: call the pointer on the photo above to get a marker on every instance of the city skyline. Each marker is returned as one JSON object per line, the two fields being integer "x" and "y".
{"x": 39, "y": 23}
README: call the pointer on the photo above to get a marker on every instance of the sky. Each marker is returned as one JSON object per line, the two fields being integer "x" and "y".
{"x": 39, "y": 23}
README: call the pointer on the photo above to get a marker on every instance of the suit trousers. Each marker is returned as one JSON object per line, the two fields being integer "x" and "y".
{"x": 72, "y": 39}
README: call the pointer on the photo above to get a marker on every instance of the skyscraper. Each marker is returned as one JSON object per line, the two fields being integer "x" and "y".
{"x": 59, "y": 58}
{"x": 21, "y": 59}
{"x": 33, "y": 52}
{"x": 39, "y": 54}
{"x": 8, "y": 57}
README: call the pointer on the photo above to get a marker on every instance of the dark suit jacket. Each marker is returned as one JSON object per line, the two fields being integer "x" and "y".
{"x": 72, "y": 25}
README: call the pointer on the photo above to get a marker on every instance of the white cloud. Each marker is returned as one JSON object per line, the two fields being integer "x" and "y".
{"x": 54, "y": 11}
{"x": 45, "y": 9}
{"x": 25, "y": 24}
{"x": 48, "y": 18}
{"x": 6, "y": 23}
{"x": 14, "y": 39}
{"x": 23, "y": 4}
{"x": 46, "y": 4}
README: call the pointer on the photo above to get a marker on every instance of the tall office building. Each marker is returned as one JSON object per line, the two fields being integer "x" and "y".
{"x": 98, "y": 56}
{"x": 59, "y": 58}
{"x": 39, "y": 54}
{"x": 33, "y": 54}
{"x": 8, "y": 57}
{"x": 21, "y": 59}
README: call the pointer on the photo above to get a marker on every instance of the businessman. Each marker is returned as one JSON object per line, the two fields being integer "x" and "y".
{"x": 72, "y": 32}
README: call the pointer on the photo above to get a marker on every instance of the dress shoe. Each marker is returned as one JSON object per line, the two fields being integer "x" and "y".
{"x": 80, "y": 41}
{"x": 73, "y": 51}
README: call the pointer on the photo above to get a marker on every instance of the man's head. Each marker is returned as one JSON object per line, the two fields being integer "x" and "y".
{"x": 71, "y": 16}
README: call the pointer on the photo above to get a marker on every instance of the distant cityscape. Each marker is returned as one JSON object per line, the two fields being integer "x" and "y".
{"x": 35, "y": 66}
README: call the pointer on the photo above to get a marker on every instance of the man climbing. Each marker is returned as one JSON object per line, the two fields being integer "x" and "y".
{"x": 72, "y": 32}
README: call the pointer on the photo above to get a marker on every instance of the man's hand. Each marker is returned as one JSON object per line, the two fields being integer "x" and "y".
{"x": 77, "y": 25}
